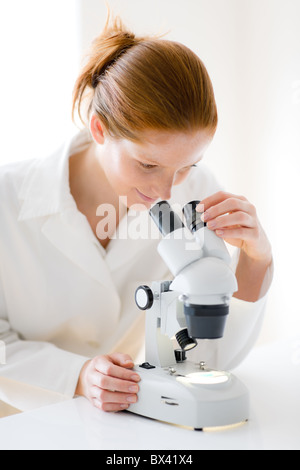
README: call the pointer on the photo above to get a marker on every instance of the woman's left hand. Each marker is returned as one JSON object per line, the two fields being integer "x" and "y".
{"x": 234, "y": 219}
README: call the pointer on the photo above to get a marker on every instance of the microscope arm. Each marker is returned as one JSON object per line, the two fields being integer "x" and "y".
{"x": 198, "y": 297}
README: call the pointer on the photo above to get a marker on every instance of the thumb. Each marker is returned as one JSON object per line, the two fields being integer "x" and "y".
{"x": 123, "y": 360}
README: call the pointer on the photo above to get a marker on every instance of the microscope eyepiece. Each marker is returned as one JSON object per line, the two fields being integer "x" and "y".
{"x": 192, "y": 217}
{"x": 165, "y": 218}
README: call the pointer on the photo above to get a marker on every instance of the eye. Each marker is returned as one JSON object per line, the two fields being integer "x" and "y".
{"x": 146, "y": 166}
{"x": 188, "y": 168}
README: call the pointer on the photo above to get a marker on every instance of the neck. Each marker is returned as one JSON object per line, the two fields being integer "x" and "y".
{"x": 88, "y": 182}
{"x": 90, "y": 189}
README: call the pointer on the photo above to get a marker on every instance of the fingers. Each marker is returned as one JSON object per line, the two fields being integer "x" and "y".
{"x": 109, "y": 407}
{"x": 107, "y": 365}
{"x": 106, "y": 382}
{"x": 229, "y": 215}
{"x": 217, "y": 198}
{"x": 240, "y": 233}
{"x": 120, "y": 359}
{"x": 111, "y": 401}
{"x": 223, "y": 203}
{"x": 113, "y": 385}
{"x": 235, "y": 219}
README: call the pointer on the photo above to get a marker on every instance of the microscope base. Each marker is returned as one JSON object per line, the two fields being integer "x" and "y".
{"x": 191, "y": 396}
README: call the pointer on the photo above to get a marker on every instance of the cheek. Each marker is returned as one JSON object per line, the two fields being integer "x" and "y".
{"x": 117, "y": 170}
{"x": 180, "y": 177}
{"x": 124, "y": 176}
{"x": 130, "y": 175}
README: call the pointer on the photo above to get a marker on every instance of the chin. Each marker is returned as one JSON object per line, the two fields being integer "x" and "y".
{"x": 138, "y": 206}
{"x": 137, "y": 203}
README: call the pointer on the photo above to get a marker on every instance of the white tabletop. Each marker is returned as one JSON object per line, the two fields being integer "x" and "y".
{"x": 272, "y": 374}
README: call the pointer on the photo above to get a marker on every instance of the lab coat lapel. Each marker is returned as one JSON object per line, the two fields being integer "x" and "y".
{"x": 136, "y": 234}
{"x": 46, "y": 193}
{"x": 78, "y": 246}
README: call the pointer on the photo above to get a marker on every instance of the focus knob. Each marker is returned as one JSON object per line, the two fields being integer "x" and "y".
{"x": 144, "y": 297}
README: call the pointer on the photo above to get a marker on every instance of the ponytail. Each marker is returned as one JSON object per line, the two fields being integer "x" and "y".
{"x": 104, "y": 51}
{"x": 134, "y": 84}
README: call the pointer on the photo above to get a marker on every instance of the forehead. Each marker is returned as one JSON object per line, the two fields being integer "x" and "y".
{"x": 169, "y": 148}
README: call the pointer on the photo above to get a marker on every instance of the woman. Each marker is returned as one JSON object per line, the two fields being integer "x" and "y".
{"x": 69, "y": 265}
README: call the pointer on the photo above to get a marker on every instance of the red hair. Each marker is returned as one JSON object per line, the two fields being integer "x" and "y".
{"x": 139, "y": 83}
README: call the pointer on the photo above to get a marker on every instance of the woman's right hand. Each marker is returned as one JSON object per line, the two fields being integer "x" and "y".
{"x": 109, "y": 382}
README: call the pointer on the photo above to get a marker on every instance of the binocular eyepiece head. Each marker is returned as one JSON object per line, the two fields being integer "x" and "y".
{"x": 204, "y": 321}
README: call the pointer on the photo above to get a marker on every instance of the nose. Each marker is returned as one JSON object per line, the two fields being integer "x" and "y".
{"x": 164, "y": 186}
{"x": 165, "y": 193}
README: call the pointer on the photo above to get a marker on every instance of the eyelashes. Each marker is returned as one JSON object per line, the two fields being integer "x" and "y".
{"x": 148, "y": 167}
{"x": 145, "y": 166}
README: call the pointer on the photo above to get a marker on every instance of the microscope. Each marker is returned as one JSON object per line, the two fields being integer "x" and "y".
{"x": 192, "y": 307}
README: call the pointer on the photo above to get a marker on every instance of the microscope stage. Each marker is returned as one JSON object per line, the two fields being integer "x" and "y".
{"x": 187, "y": 395}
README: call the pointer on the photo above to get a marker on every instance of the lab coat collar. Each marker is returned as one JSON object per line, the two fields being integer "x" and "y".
{"x": 127, "y": 244}
{"x": 46, "y": 193}
{"x": 45, "y": 189}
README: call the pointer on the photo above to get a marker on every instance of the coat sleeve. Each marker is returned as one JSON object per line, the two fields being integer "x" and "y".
{"x": 33, "y": 373}
{"x": 242, "y": 330}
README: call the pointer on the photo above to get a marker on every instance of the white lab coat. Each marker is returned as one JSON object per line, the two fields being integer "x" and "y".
{"x": 64, "y": 299}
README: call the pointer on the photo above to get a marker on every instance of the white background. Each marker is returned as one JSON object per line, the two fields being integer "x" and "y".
{"x": 252, "y": 51}
{"x": 39, "y": 54}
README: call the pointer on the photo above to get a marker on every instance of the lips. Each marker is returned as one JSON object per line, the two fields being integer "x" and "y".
{"x": 146, "y": 198}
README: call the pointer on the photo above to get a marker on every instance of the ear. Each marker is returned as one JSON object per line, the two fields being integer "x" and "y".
{"x": 96, "y": 129}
